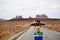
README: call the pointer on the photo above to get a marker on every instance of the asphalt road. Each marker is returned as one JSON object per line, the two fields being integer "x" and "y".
{"x": 48, "y": 34}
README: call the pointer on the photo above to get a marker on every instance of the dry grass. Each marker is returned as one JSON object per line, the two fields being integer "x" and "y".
{"x": 11, "y": 27}
{"x": 53, "y": 25}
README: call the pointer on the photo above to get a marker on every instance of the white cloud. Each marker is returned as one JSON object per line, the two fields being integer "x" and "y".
{"x": 26, "y": 8}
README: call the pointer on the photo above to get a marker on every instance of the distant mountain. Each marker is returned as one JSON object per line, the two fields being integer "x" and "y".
{"x": 42, "y": 16}
{"x": 2, "y": 19}
{"x": 37, "y": 17}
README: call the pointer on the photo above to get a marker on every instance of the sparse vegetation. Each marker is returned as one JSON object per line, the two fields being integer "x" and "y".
{"x": 53, "y": 25}
{"x": 11, "y": 27}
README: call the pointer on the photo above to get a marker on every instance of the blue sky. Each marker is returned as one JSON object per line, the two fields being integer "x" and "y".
{"x": 26, "y": 8}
